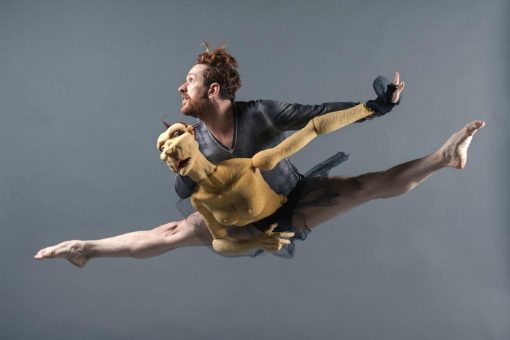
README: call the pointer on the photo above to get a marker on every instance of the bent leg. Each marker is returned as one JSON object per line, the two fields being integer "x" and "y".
{"x": 353, "y": 191}
{"x": 138, "y": 244}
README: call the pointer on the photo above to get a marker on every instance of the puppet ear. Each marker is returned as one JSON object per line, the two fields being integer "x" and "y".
{"x": 190, "y": 129}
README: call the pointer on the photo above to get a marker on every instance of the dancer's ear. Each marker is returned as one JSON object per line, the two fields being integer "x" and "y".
{"x": 214, "y": 89}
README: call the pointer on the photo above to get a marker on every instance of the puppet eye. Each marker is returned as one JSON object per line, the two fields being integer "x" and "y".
{"x": 177, "y": 134}
{"x": 161, "y": 147}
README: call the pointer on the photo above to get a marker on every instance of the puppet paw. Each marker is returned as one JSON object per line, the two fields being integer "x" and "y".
{"x": 275, "y": 241}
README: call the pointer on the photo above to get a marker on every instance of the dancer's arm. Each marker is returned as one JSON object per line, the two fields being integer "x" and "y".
{"x": 289, "y": 117}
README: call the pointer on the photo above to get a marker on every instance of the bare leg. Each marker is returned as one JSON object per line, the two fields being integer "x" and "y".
{"x": 138, "y": 244}
{"x": 395, "y": 181}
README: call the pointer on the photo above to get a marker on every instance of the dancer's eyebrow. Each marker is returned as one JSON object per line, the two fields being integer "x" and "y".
{"x": 193, "y": 74}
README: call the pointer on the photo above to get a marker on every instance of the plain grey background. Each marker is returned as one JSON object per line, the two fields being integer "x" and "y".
{"x": 83, "y": 85}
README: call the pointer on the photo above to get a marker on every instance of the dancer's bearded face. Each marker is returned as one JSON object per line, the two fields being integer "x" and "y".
{"x": 194, "y": 92}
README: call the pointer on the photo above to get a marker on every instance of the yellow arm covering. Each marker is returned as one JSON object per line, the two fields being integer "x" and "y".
{"x": 329, "y": 122}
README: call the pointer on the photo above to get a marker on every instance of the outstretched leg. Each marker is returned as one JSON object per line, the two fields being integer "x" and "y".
{"x": 353, "y": 191}
{"x": 191, "y": 231}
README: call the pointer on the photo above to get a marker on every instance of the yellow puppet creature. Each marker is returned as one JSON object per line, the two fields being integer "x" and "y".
{"x": 233, "y": 192}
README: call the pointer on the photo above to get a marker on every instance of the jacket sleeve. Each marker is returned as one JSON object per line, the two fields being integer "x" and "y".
{"x": 287, "y": 117}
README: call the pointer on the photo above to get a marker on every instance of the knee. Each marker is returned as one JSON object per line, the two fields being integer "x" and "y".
{"x": 379, "y": 185}
{"x": 190, "y": 231}
{"x": 362, "y": 188}
{"x": 178, "y": 233}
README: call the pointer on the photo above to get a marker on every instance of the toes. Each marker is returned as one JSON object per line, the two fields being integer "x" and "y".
{"x": 472, "y": 127}
{"x": 479, "y": 124}
{"x": 51, "y": 252}
{"x": 44, "y": 253}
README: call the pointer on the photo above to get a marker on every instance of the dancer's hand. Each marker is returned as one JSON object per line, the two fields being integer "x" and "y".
{"x": 388, "y": 94}
{"x": 400, "y": 87}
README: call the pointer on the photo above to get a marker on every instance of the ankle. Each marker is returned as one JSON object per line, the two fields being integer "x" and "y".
{"x": 439, "y": 159}
{"x": 83, "y": 248}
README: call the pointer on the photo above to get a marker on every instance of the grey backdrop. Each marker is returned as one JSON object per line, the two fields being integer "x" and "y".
{"x": 83, "y": 85}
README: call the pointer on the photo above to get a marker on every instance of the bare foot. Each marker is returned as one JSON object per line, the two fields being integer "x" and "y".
{"x": 73, "y": 251}
{"x": 454, "y": 151}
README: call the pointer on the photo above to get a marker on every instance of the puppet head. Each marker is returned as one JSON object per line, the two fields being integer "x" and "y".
{"x": 178, "y": 147}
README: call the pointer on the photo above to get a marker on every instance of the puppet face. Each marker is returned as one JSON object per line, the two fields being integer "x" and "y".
{"x": 178, "y": 148}
{"x": 194, "y": 92}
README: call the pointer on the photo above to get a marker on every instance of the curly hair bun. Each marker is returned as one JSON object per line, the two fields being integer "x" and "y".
{"x": 222, "y": 69}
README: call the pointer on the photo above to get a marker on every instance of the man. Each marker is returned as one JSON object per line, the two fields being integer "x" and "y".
{"x": 228, "y": 129}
